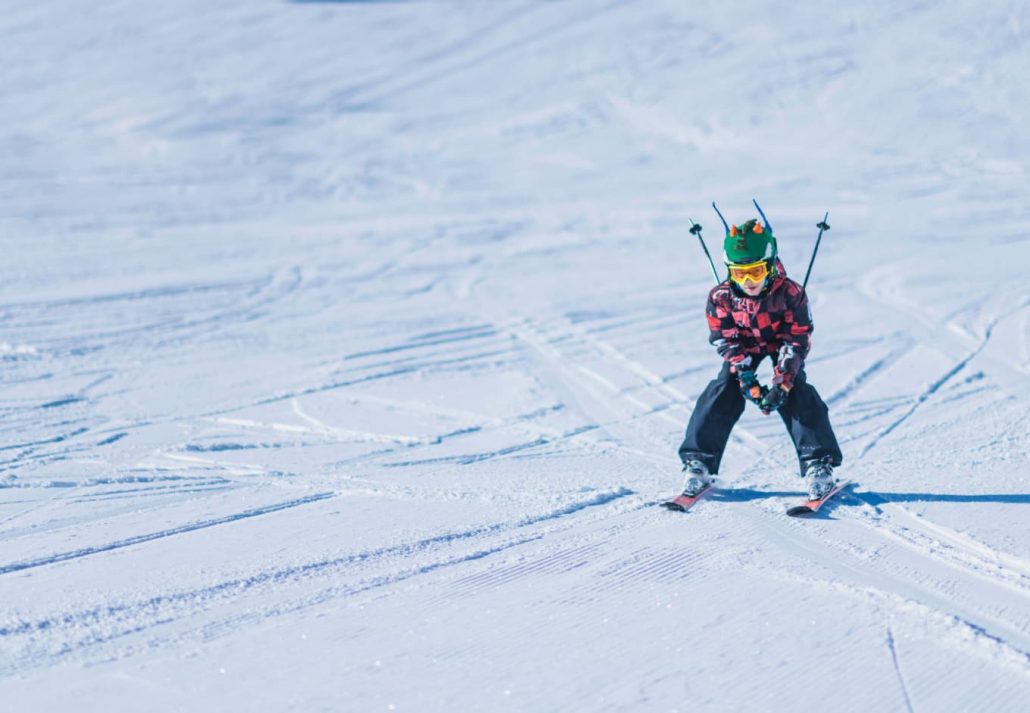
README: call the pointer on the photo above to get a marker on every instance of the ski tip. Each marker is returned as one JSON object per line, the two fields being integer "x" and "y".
{"x": 810, "y": 507}
{"x": 682, "y": 503}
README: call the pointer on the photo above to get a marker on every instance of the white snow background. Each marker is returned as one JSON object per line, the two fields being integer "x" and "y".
{"x": 346, "y": 348}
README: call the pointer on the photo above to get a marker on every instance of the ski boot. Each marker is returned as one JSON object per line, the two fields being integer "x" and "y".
{"x": 697, "y": 478}
{"x": 820, "y": 478}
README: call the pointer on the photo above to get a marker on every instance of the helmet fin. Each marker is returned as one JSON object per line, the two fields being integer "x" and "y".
{"x": 721, "y": 218}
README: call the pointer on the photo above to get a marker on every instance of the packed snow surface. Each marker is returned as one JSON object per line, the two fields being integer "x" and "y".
{"x": 347, "y": 347}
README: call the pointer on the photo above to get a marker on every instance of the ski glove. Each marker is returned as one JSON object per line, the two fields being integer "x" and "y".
{"x": 750, "y": 388}
{"x": 773, "y": 399}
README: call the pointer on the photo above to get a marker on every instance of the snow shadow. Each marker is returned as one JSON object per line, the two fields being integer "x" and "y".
{"x": 874, "y": 498}
{"x": 878, "y": 498}
{"x": 747, "y": 494}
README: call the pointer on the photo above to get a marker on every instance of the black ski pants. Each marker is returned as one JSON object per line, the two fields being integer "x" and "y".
{"x": 721, "y": 404}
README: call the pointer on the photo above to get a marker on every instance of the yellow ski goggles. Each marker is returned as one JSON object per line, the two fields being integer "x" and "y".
{"x": 755, "y": 272}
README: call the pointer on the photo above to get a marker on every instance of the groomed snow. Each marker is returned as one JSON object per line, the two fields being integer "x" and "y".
{"x": 347, "y": 347}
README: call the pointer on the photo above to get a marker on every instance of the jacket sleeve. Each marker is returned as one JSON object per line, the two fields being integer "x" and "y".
{"x": 795, "y": 335}
{"x": 722, "y": 331}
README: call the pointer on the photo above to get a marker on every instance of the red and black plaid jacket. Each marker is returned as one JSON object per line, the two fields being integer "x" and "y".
{"x": 777, "y": 323}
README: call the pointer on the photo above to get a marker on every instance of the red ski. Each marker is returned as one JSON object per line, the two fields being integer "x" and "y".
{"x": 810, "y": 506}
{"x": 682, "y": 503}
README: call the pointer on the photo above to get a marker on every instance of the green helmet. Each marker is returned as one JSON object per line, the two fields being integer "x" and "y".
{"x": 749, "y": 243}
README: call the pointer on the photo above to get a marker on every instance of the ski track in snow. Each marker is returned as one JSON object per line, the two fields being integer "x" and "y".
{"x": 897, "y": 667}
{"x": 88, "y": 551}
{"x": 141, "y": 616}
{"x": 453, "y": 404}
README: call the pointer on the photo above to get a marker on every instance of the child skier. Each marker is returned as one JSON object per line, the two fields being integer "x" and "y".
{"x": 756, "y": 313}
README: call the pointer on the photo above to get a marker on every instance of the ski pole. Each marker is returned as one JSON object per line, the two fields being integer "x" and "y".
{"x": 822, "y": 225}
{"x": 695, "y": 228}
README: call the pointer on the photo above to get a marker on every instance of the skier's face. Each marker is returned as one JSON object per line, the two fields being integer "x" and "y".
{"x": 752, "y": 289}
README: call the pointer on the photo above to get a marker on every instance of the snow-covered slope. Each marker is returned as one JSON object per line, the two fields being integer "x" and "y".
{"x": 347, "y": 347}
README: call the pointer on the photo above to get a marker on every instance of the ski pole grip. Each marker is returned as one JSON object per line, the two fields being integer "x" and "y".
{"x": 695, "y": 229}
{"x": 823, "y": 227}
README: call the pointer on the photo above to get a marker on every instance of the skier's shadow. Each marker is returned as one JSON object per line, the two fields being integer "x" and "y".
{"x": 874, "y": 497}
{"x": 879, "y": 498}
{"x": 739, "y": 495}
{"x": 851, "y": 498}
